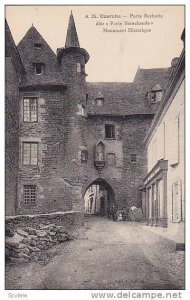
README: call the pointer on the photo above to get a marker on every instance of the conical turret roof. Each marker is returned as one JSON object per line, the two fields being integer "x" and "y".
{"x": 72, "y": 37}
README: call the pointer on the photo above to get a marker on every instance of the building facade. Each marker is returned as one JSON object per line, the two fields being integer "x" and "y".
{"x": 74, "y": 134}
{"x": 96, "y": 200}
{"x": 13, "y": 71}
{"x": 163, "y": 195}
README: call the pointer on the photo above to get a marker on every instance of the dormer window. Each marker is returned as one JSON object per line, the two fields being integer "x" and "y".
{"x": 155, "y": 95}
{"x": 82, "y": 110}
{"x": 99, "y": 100}
{"x": 38, "y": 46}
{"x": 39, "y": 68}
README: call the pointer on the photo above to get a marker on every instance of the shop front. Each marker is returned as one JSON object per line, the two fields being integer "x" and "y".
{"x": 154, "y": 195}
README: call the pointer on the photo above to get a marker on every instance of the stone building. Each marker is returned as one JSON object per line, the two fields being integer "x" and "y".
{"x": 163, "y": 193}
{"x": 14, "y": 69}
{"x": 71, "y": 134}
{"x": 95, "y": 200}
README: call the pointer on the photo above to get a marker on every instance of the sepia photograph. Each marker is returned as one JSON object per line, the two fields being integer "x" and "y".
{"x": 94, "y": 148}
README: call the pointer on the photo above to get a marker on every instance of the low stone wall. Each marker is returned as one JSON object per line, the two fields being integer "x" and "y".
{"x": 29, "y": 236}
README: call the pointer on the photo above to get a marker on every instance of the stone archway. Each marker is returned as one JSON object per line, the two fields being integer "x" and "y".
{"x": 99, "y": 197}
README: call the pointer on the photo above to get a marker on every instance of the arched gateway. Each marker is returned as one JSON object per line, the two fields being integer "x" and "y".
{"x": 98, "y": 198}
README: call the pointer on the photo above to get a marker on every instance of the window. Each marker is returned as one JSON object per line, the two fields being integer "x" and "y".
{"x": 175, "y": 142}
{"x": 30, "y": 195}
{"x": 84, "y": 156}
{"x": 83, "y": 110}
{"x": 154, "y": 152}
{"x": 101, "y": 188}
{"x": 90, "y": 189}
{"x": 39, "y": 68}
{"x": 155, "y": 95}
{"x": 154, "y": 200}
{"x": 133, "y": 157}
{"x": 30, "y": 106}
{"x": 161, "y": 139}
{"x": 160, "y": 198}
{"x": 109, "y": 131}
{"x": 38, "y": 46}
{"x": 86, "y": 98}
{"x": 150, "y": 202}
{"x": 99, "y": 102}
{"x": 111, "y": 159}
{"x": 30, "y": 154}
{"x": 79, "y": 68}
{"x": 176, "y": 202}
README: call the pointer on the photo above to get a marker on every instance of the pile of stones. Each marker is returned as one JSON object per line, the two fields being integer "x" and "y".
{"x": 29, "y": 243}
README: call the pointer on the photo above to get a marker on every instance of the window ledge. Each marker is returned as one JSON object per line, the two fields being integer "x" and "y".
{"x": 28, "y": 122}
{"x": 30, "y": 166}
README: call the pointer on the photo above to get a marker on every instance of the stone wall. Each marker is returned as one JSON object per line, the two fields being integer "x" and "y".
{"x": 11, "y": 135}
{"x": 134, "y": 130}
{"x": 28, "y": 236}
{"x": 125, "y": 177}
{"x": 59, "y": 170}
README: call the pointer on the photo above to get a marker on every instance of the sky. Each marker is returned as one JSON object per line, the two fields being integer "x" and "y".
{"x": 114, "y": 56}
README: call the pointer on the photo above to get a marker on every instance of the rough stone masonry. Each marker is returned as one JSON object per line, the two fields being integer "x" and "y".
{"x": 28, "y": 237}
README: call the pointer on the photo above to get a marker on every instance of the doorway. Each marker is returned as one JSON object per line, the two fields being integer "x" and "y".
{"x": 98, "y": 198}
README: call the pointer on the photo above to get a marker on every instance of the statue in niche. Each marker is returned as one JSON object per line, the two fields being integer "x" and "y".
{"x": 99, "y": 152}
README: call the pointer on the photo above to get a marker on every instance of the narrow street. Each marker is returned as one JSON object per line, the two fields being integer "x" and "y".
{"x": 108, "y": 255}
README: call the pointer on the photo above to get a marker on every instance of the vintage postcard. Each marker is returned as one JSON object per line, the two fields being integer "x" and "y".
{"x": 94, "y": 149}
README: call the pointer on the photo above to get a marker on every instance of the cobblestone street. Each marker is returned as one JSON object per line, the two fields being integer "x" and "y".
{"x": 106, "y": 255}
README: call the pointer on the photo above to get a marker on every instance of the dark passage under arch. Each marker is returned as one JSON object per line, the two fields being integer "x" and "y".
{"x": 98, "y": 198}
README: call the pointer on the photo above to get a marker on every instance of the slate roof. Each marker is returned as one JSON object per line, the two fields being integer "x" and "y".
{"x": 31, "y": 55}
{"x": 122, "y": 98}
{"x": 55, "y": 79}
{"x": 72, "y": 37}
{"x": 12, "y": 51}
